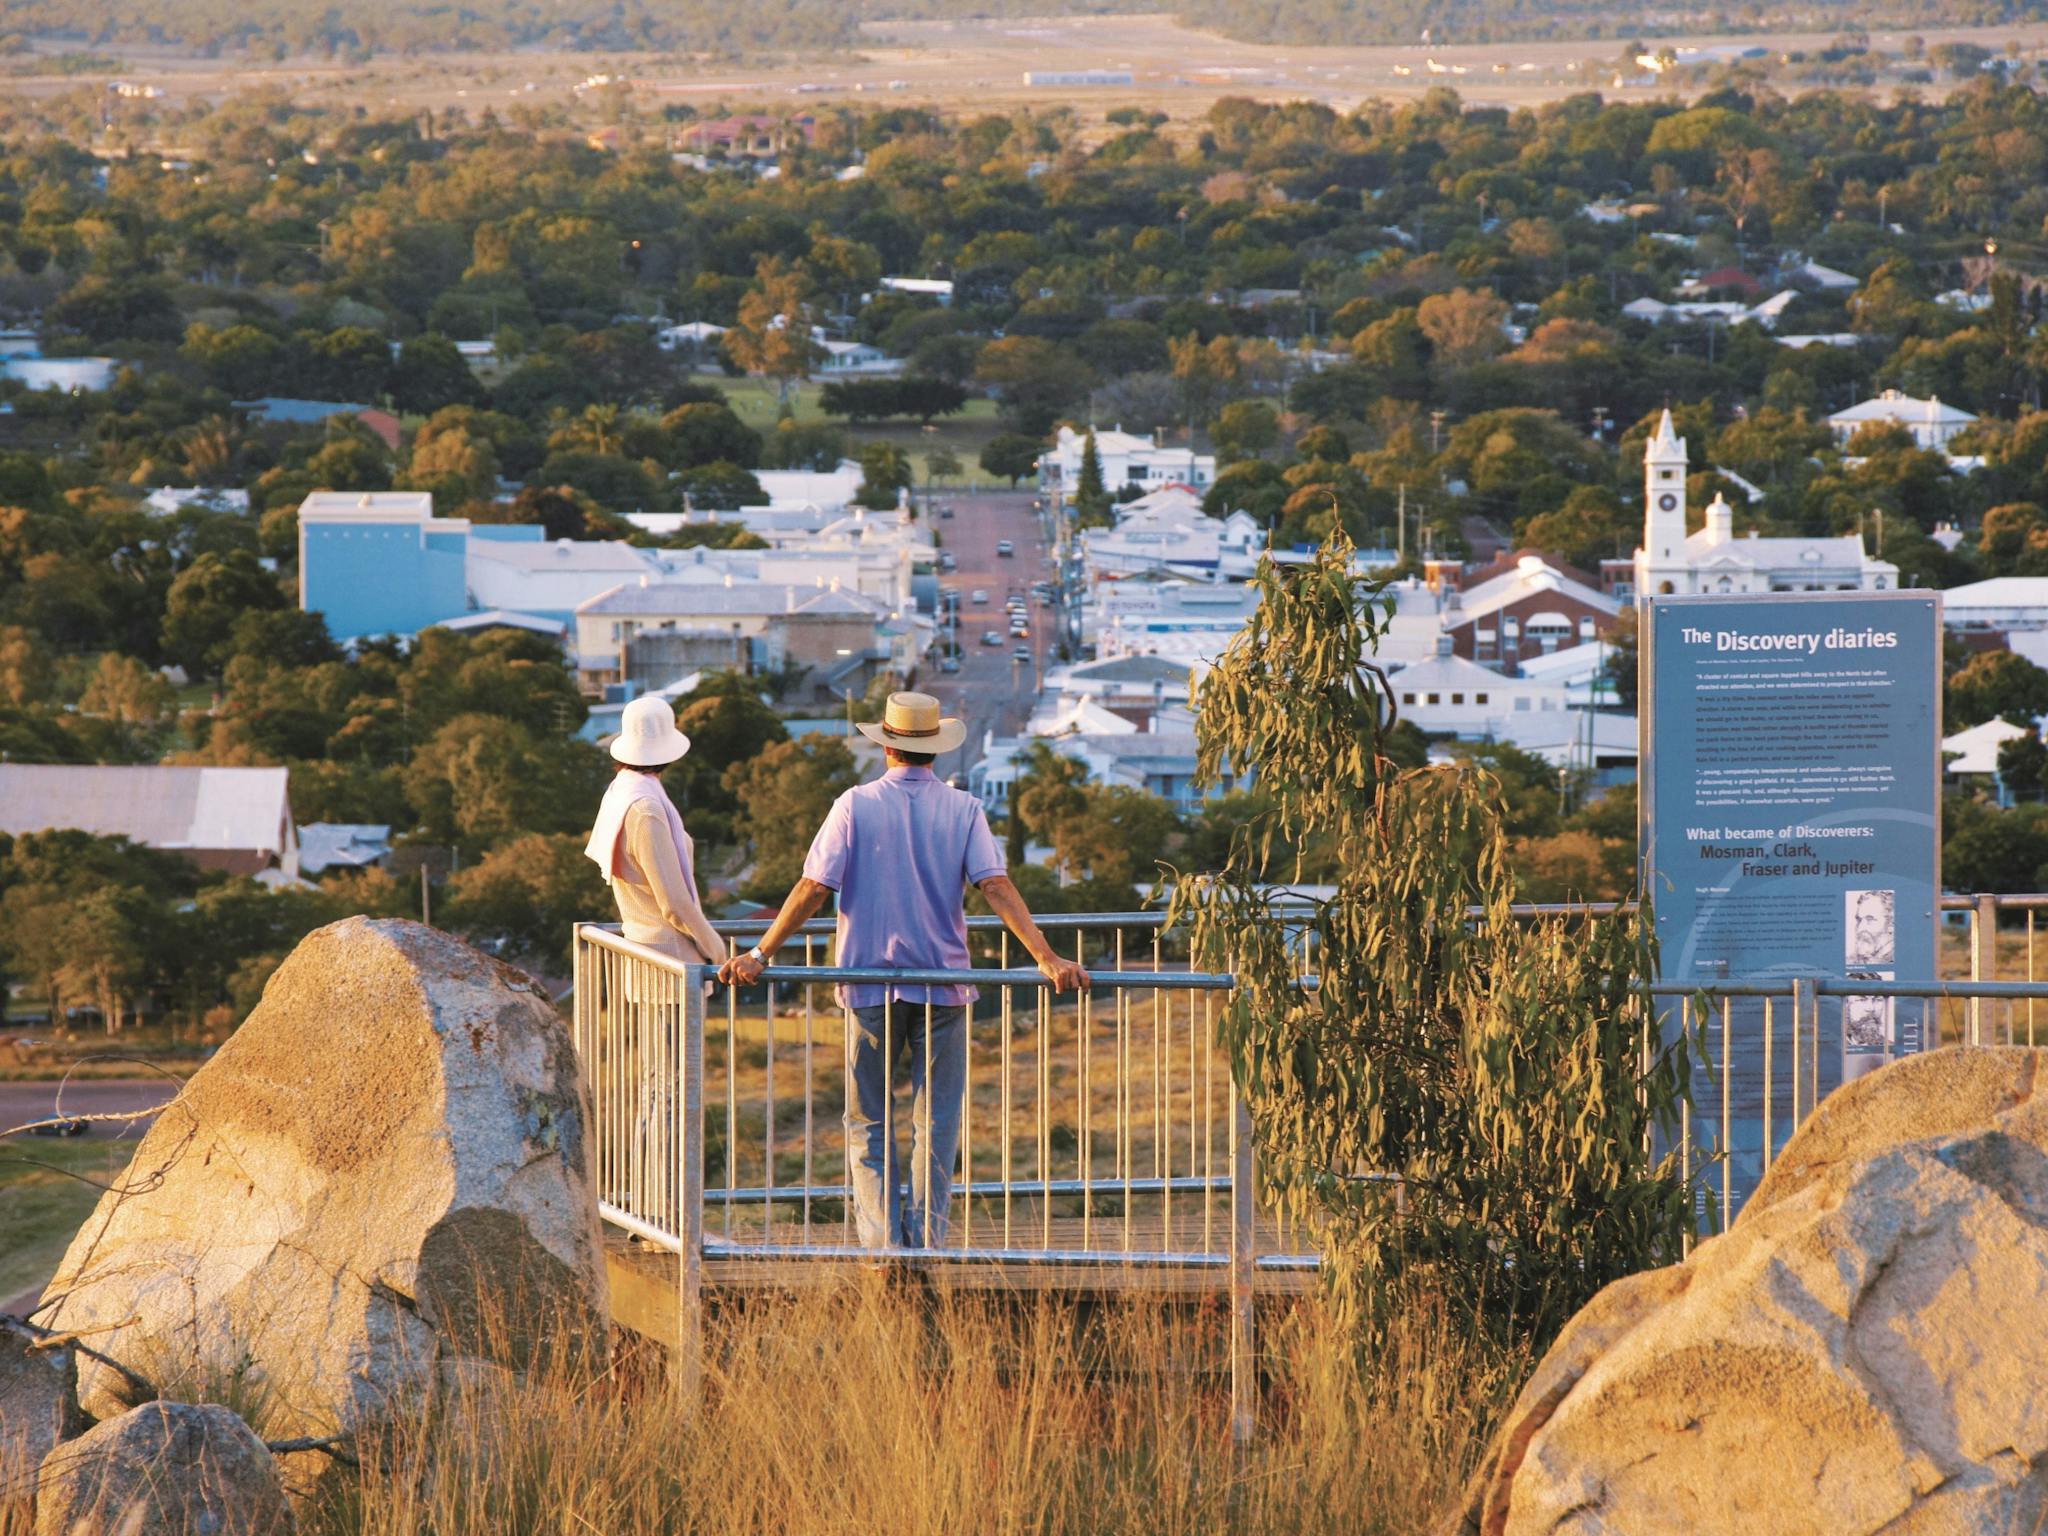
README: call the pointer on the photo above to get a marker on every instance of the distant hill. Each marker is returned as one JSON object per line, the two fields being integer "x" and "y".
{"x": 812, "y": 26}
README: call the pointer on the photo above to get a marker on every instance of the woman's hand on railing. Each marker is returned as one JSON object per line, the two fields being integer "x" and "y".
{"x": 1065, "y": 975}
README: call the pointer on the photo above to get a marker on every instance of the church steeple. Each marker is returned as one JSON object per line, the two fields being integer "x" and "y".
{"x": 1664, "y": 494}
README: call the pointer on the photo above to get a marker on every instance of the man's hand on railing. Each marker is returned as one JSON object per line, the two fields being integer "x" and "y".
{"x": 1065, "y": 975}
{"x": 742, "y": 970}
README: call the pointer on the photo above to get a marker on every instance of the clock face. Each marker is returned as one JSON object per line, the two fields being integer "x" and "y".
{"x": 1667, "y": 502}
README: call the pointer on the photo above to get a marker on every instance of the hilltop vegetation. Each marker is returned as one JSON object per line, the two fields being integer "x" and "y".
{"x": 312, "y": 27}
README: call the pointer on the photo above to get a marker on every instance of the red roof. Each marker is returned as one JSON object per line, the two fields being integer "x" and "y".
{"x": 1728, "y": 277}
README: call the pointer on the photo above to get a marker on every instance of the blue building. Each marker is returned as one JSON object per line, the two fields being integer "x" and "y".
{"x": 381, "y": 563}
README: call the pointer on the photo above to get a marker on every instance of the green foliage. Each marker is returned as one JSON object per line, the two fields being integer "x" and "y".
{"x": 1010, "y": 456}
{"x": 1459, "y": 1107}
{"x": 1998, "y": 685}
{"x": 781, "y": 795}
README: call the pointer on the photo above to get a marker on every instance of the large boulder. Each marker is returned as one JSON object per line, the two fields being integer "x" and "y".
{"x": 384, "y": 1168}
{"x": 1865, "y": 1350}
{"x": 164, "y": 1469}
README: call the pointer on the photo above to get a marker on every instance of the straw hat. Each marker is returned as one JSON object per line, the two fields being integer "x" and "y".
{"x": 648, "y": 737}
{"x": 911, "y": 723}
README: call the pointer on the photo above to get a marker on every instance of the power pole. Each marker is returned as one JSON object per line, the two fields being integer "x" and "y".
{"x": 1401, "y": 525}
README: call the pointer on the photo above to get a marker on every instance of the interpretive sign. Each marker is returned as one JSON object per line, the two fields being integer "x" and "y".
{"x": 1790, "y": 803}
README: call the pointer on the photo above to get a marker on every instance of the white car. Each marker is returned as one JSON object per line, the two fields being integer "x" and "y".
{"x": 978, "y": 595}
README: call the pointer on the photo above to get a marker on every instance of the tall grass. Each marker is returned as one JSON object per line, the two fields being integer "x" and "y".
{"x": 869, "y": 1408}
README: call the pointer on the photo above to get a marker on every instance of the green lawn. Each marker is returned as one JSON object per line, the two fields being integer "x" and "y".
{"x": 756, "y": 402}
{"x": 44, "y": 1199}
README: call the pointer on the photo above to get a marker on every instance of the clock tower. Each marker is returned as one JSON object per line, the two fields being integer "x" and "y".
{"x": 1661, "y": 564}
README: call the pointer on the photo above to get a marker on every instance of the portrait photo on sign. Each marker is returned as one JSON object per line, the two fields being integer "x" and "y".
{"x": 1870, "y": 933}
{"x": 1867, "y": 1021}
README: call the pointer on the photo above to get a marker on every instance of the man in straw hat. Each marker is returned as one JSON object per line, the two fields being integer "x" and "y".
{"x": 900, "y": 853}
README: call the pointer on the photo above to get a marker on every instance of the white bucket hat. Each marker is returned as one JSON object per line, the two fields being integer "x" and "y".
{"x": 911, "y": 723}
{"x": 648, "y": 737}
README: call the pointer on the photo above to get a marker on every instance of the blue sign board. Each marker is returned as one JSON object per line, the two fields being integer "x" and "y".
{"x": 1791, "y": 804}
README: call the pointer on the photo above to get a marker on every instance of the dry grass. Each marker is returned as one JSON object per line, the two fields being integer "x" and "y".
{"x": 873, "y": 1408}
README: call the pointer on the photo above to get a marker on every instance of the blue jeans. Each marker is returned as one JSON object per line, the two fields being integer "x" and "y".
{"x": 938, "y": 1072}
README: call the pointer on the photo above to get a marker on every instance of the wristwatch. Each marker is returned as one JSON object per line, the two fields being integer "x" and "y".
{"x": 756, "y": 956}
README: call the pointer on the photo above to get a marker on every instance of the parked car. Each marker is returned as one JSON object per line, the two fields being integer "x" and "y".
{"x": 1005, "y": 549}
{"x": 978, "y": 595}
{"x": 1022, "y": 653}
{"x": 949, "y": 663}
{"x": 990, "y": 637}
{"x": 945, "y": 509}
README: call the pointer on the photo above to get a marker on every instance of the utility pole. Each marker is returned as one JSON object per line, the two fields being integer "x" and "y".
{"x": 1436, "y": 428}
{"x": 1401, "y": 525}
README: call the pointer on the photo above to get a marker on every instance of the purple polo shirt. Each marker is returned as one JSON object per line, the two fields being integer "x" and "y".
{"x": 901, "y": 852}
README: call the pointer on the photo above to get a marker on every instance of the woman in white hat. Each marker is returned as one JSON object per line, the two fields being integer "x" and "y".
{"x": 640, "y": 844}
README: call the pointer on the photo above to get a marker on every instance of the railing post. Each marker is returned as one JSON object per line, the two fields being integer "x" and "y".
{"x": 1244, "y": 1368}
{"x": 1983, "y": 957}
{"x": 689, "y": 1148}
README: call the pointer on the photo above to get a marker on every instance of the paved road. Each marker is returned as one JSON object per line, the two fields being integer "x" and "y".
{"x": 991, "y": 692}
{"x": 23, "y": 1102}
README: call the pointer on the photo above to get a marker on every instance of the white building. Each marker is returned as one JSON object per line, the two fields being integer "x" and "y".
{"x": 2001, "y": 604}
{"x": 855, "y": 359}
{"x": 1178, "y": 621}
{"x": 1167, "y": 532}
{"x": 1931, "y": 422}
{"x": 1973, "y": 754}
{"x": 1127, "y": 459}
{"x": 940, "y": 288}
{"x": 692, "y": 336}
{"x": 1766, "y": 313}
{"x": 167, "y": 499}
{"x": 549, "y": 577}
{"x": 1714, "y": 560}
{"x": 1450, "y": 696}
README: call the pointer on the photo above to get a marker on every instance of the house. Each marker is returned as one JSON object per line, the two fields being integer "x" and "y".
{"x": 1167, "y": 532}
{"x": 649, "y": 631}
{"x": 940, "y": 288}
{"x": 756, "y": 137}
{"x": 1722, "y": 279}
{"x": 1178, "y": 621}
{"x": 1127, "y": 459}
{"x": 1141, "y": 691}
{"x": 1448, "y": 695}
{"x": 325, "y": 845}
{"x": 1766, "y": 313}
{"x": 1931, "y": 423}
{"x": 700, "y": 337}
{"x": 287, "y": 411}
{"x": 168, "y": 499}
{"x": 1972, "y": 755}
{"x": 237, "y": 820}
{"x": 1577, "y": 740}
{"x": 2001, "y": 605}
{"x": 844, "y": 359}
{"x": 1714, "y": 560}
{"x": 1801, "y": 342}
{"x": 1524, "y": 606}
{"x": 1160, "y": 763}
{"x": 1812, "y": 275}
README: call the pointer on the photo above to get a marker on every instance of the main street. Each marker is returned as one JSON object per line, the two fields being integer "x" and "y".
{"x": 992, "y": 691}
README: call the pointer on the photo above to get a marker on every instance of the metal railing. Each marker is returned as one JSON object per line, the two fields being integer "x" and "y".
{"x": 1097, "y": 1131}
{"x": 1104, "y": 1131}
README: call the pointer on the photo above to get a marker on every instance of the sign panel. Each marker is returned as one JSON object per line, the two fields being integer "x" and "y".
{"x": 1791, "y": 803}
